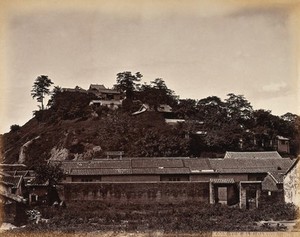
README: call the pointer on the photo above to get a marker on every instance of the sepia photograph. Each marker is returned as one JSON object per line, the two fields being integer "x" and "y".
{"x": 149, "y": 118}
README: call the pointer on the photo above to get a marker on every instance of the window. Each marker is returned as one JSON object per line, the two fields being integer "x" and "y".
{"x": 174, "y": 178}
{"x": 110, "y": 97}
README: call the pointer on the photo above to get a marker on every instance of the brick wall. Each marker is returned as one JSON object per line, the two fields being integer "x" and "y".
{"x": 159, "y": 192}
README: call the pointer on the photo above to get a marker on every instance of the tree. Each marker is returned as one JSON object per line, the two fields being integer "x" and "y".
{"x": 289, "y": 117}
{"x": 157, "y": 93}
{"x": 52, "y": 174}
{"x": 239, "y": 109}
{"x": 54, "y": 93}
{"x": 78, "y": 107}
{"x": 40, "y": 89}
{"x": 127, "y": 82}
{"x": 49, "y": 173}
{"x": 186, "y": 109}
{"x": 223, "y": 133}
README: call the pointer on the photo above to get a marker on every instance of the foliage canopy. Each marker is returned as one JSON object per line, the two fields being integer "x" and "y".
{"x": 40, "y": 88}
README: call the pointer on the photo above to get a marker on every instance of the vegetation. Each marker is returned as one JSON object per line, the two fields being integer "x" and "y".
{"x": 212, "y": 126}
{"x": 128, "y": 83}
{"x": 54, "y": 93}
{"x": 167, "y": 218}
{"x": 40, "y": 88}
{"x": 157, "y": 93}
{"x": 15, "y": 127}
{"x": 51, "y": 173}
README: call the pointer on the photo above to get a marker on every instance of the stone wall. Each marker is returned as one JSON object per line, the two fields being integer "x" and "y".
{"x": 157, "y": 192}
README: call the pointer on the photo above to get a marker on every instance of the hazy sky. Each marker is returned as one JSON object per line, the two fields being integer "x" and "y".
{"x": 200, "y": 48}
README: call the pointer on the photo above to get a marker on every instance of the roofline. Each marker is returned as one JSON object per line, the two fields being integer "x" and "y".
{"x": 12, "y": 165}
{"x": 162, "y": 158}
{"x": 124, "y": 158}
{"x": 253, "y": 152}
{"x": 69, "y": 173}
{"x": 133, "y": 182}
{"x": 250, "y": 182}
{"x": 276, "y": 181}
{"x": 293, "y": 165}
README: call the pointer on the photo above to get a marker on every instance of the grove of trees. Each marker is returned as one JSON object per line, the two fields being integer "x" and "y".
{"x": 212, "y": 125}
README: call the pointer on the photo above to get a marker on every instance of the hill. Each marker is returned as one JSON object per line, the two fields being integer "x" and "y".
{"x": 73, "y": 129}
{"x": 77, "y": 131}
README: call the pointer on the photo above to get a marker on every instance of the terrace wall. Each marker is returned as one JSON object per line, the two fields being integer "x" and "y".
{"x": 150, "y": 192}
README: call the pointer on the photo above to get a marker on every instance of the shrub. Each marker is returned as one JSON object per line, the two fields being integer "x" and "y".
{"x": 14, "y": 128}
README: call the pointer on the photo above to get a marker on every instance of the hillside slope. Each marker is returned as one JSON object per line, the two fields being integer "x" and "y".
{"x": 77, "y": 131}
{"x": 72, "y": 129}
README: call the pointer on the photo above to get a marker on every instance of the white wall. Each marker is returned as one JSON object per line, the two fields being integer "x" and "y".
{"x": 291, "y": 184}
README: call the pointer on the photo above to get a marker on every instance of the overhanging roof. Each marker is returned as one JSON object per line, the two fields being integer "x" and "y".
{"x": 172, "y": 165}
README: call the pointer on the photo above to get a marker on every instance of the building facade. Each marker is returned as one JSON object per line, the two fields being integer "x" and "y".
{"x": 240, "y": 181}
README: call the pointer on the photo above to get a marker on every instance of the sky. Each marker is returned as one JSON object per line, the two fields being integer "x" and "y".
{"x": 199, "y": 48}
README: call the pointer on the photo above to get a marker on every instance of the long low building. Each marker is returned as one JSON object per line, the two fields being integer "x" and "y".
{"x": 238, "y": 179}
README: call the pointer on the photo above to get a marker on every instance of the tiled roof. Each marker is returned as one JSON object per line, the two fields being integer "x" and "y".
{"x": 161, "y": 171}
{"x": 250, "y": 164}
{"x": 197, "y": 164}
{"x": 269, "y": 184}
{"x": 101, "y": 164}
{"x": 277, "y": 176}
{"x": 296, "y": 161}
{"x": 97, "y": 87}
{"x": 276, "y": 167}
{"x": 259, "y": 155}
{"x": 74, "y": 90}
{"x": 89, "y": 171}
{"x": 157, "y": 162}
{"x": 101, "y": 88}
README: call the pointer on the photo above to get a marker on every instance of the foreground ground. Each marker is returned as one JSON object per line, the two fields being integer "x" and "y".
{"x": 191, "y": 219}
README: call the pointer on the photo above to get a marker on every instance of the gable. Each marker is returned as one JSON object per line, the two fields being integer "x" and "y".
{"x": 269, "y": 184}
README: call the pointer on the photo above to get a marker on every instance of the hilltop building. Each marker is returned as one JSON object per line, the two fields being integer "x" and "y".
{"x": 106, "y": 97}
